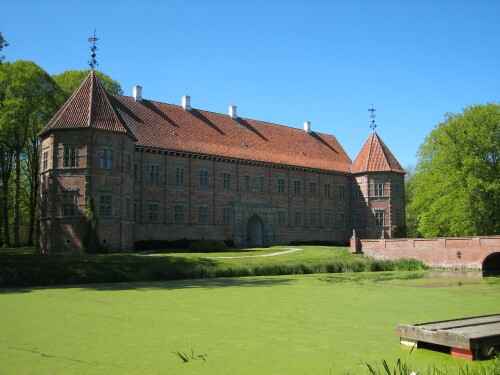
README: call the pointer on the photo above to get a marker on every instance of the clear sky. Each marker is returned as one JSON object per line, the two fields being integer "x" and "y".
{"x": 281, "y": 61}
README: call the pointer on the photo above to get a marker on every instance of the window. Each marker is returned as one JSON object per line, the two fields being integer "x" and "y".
{"x": 69, "y": 203}
{"x": 127, "y": 208}
{"x": 203, "y": 177}
{"x": 281, "y": 185}
{"x": 135, "y": 212}
{"x": 105, "y": 205}
{"x": 398, "y": 218}
{"x": 313, "y": 218}
{"x": 129, "y": 164}
{"x": 179, "y": 175}
{"x": 297, "y": 186}
{"x": 226, "y": 215}
{"x": 70, "y": 159}
{"x": 357, "y": 192}
{"x": 106, "y": 158}
{"x": 154, "y": 172}
{"x": 397, "y": 190}
{"x": 327, "y": 189}
{"x": 357, "y": 219}
{"x": 154, "y": 211}
{"x": 342, "y": 191}
{"x": 328, "y": 219}
{"x": 343, "y": 220}
{"x": 378, "y": 188}
{"x": 298, "y": 217}
{"x": 281, "y": 217}
{"x": 135, "y": 172}
{"x": 202, "y": 214}
{"x": 312, "y": 188}
{"x": 179, "y": 213}
{"x": 226, "y": 180}
{"x": 261, "y": 183}
{"x": 247, "y": 182}
{"x": 379, "y": 218}
{"x": 45, "y": 159}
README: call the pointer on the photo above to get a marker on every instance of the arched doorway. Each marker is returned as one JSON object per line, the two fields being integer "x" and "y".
{"x": 254, "y": 231}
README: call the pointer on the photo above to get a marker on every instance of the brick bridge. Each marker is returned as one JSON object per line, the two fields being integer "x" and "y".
{"x": 457, "y": 253}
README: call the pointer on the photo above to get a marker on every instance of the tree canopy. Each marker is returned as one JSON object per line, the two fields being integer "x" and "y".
{"x": 3, "y": 43}
{"x": 456, "y": 190}
{"x": 69, "y": 81}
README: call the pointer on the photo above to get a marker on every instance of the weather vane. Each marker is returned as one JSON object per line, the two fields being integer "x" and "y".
{"x": 93, "y": 62}
{"x": 372, "y": 116}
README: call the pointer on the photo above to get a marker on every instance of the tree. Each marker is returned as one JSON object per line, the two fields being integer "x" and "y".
{"x": 69, "y": 81}
{"x": 3, "y": 43}
{"x": 28, "y": 101}
{"x": 456, "y": 190}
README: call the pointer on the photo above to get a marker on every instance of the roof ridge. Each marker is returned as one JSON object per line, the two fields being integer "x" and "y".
{"x": 382, "y": 144}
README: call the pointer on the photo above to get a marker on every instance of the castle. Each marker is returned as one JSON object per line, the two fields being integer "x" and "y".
{"x": 158, "y": 171}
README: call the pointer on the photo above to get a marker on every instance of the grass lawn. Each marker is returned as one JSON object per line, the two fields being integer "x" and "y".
{"x": 22, "y": 267}
{"x": 309, "y": 324}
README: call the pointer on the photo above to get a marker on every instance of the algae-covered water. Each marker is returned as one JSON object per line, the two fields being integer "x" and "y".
{"x": 312, "y": 324}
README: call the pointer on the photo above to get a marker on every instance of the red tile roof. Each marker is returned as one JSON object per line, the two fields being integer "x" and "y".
{"x": 88, "y": 107}
{"x": 375, "y": 157}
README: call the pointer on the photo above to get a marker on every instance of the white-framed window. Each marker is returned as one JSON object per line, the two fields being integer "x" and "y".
{"x": 342, "y": 191}
{"x": 261, "y": 183}
{"x": 357, "y": 219}
{"x": 379, "y": 218}
{"x": 105, "y": 158}
{"x": 327, "y": 189}
{"x": 154, "y": 172}
{"x": 328, "y": 219}
{"x": 226, "y": 180}
{"x": 297, "y": 187}
{"x": 298, "y": 217}
{"x": 178, "y": 213}
{"x": 202, "y": 214}
{"x": 70, "y": 156}
{"x": 378, "y": 189}
{"x": 45, "y": 159}
{"x": 313, "y": 218}
{"x": 154, "y": 211}
{"x": 105, "y": 205}
{"x": 203, "y": 177}
{"x": 312, "y": 188}
{"x": 343, "y": 220}
{"x": 281, "y": 217}
{"x": 226, "y": 215}
{"x": 397, "y": 190}
{"x": 69, "y": 203}
{"x": 179, "y": 175}
{"x": 357, "y": 191}
{"x": 281, "y": 184}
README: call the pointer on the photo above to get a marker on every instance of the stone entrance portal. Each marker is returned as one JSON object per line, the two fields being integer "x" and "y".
{"x": 255, "y": 231}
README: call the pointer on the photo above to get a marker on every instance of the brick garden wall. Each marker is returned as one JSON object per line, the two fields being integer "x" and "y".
{"x": 457, "y": 253}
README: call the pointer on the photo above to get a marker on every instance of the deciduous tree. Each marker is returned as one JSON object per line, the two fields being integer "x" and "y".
{"x": 456, "y": 190}
{"x": 69, "y": 81}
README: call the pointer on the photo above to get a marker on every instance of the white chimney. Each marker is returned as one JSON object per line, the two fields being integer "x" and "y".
{"x": 232, "y": 112}
{"x": 137, "y": 93}
{"x": 186, "y": 102}
{"x": 307, "y": 126}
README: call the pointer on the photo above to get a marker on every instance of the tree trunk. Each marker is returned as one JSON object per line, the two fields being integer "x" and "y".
{"x": 17, "y": 199}
{"x": 5, "y": 212}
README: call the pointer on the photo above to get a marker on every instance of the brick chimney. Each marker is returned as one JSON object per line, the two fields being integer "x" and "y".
{"x": 137, "y": 93}
{"x": 186, "y": 102}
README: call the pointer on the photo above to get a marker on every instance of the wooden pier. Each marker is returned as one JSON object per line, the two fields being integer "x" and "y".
{"x": 466, "y": 338}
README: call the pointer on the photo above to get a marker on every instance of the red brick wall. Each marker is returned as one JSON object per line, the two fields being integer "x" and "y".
{"x": 458, "y": 253}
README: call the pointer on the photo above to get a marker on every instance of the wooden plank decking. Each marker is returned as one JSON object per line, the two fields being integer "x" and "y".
{"x": 465, "y": 337}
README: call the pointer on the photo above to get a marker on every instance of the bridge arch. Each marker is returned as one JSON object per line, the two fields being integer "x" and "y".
{"x": 491, "y": 262}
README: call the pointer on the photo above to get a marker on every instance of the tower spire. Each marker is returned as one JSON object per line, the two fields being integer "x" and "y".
{"x": 372, "y": 116}
{"x": 93, "y": 62}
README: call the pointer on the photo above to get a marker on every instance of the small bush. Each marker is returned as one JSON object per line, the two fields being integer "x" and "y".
{"x": 208, "y": 246}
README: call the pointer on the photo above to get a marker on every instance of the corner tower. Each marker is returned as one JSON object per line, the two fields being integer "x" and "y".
{"x": 87, "y": 156}
{"x": 378, "y": 204}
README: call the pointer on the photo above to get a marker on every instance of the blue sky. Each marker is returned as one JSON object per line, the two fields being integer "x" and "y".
{"x": 284, "y": 62}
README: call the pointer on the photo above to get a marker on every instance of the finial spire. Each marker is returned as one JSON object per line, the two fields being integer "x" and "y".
{"x": 372, "y": 116}
{"x": 93, "y": 62}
